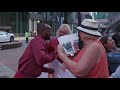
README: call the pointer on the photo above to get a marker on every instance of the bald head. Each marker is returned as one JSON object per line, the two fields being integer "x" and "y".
{"x": 42, "y": 27}
{"x": 44, "y": 30}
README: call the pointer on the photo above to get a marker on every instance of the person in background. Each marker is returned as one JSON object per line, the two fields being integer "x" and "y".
{"x": 64, "y": 29}
{"x": 27, "y": 36}
{"x": 116, "y": 38}
{"x": 31, "y": 63}
{"x": 113, "y": 53}
{"x": 91, "y": 61}
{"x": 109, "y": 44}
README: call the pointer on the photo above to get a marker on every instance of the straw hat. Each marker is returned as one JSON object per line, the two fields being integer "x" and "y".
{"x": 89, "y": 26}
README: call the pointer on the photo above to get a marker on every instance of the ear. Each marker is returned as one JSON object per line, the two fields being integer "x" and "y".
{"x": 80, "y": 33}
{"x": 105, "y": 45}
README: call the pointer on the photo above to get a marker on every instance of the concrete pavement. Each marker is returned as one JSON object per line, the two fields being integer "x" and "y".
{"x": 6, "y": 72}
{"x": 9, "y": 60}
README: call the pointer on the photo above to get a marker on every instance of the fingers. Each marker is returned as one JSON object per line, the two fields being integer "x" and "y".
{"x": 59, "y": 48}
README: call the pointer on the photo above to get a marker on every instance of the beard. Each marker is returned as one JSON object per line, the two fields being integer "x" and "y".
{"x": 47, "y": 38}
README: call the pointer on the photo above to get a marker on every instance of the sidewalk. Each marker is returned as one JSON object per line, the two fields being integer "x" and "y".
{"x": 9, "y": 59}
{"x": 6, "y": 72}
{"x": 22, "y": 38}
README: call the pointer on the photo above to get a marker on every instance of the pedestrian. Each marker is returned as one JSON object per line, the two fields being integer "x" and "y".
{"x": 91, "y": 61}
{"x": 27, "y": 36}
{"x": 31, "y": 64}
{"x": 116, "y": 37}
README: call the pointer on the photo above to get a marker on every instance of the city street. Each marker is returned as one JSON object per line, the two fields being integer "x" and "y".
{"x": 19, "y": 26}
{"x": 9, "y": 60}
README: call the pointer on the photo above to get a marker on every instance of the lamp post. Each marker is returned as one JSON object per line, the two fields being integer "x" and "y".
{"x": 79, "y": 18}
{"x": 45, "y": 17}
{"x": 79, "y": 23}
{"x": 65, "y": 17}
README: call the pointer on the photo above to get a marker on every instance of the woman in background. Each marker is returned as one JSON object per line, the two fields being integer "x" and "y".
{"x": 113, "y": 53}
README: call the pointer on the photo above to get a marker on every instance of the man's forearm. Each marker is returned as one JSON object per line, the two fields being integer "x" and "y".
{"x": 50, "y": 57}
{"x": 48, "y": 70}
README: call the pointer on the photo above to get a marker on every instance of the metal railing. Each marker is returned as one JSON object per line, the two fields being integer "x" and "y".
{"x": 53, "y": 23}
{"x": 55, "y": 15}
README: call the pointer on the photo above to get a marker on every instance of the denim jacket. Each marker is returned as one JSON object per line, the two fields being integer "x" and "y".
{"x": 116, "y": 74}
{"x": 113, "y": 61}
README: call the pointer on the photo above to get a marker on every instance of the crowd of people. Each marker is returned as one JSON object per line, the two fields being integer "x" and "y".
{"x": 99, "y": 56}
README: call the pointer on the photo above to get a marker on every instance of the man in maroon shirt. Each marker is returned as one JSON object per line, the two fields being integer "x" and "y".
{"x": 31, "y": 64}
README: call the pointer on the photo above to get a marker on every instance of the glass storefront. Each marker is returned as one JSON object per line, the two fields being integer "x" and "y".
{"x": 18, "y": 21}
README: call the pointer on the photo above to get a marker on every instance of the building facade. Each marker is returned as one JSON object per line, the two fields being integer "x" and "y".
{"x": 110, "y": 20}
{"x": 18, "y": 21}
{"x": 114, "y": 19}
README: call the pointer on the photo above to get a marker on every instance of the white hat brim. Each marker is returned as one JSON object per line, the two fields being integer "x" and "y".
{"x": 92, "y": 32}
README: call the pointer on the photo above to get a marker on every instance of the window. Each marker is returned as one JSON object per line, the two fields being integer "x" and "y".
{"x": 76, "y": 15}
{"x": 51, "y": 13}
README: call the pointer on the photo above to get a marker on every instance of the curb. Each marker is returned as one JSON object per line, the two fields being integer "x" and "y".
{"x": 9, "y": 45}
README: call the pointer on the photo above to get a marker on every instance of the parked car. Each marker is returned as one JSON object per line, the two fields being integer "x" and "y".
{"x": 6, "y": 36}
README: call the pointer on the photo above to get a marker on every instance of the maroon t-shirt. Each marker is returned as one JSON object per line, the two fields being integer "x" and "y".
{"x": 34, "y": 57}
